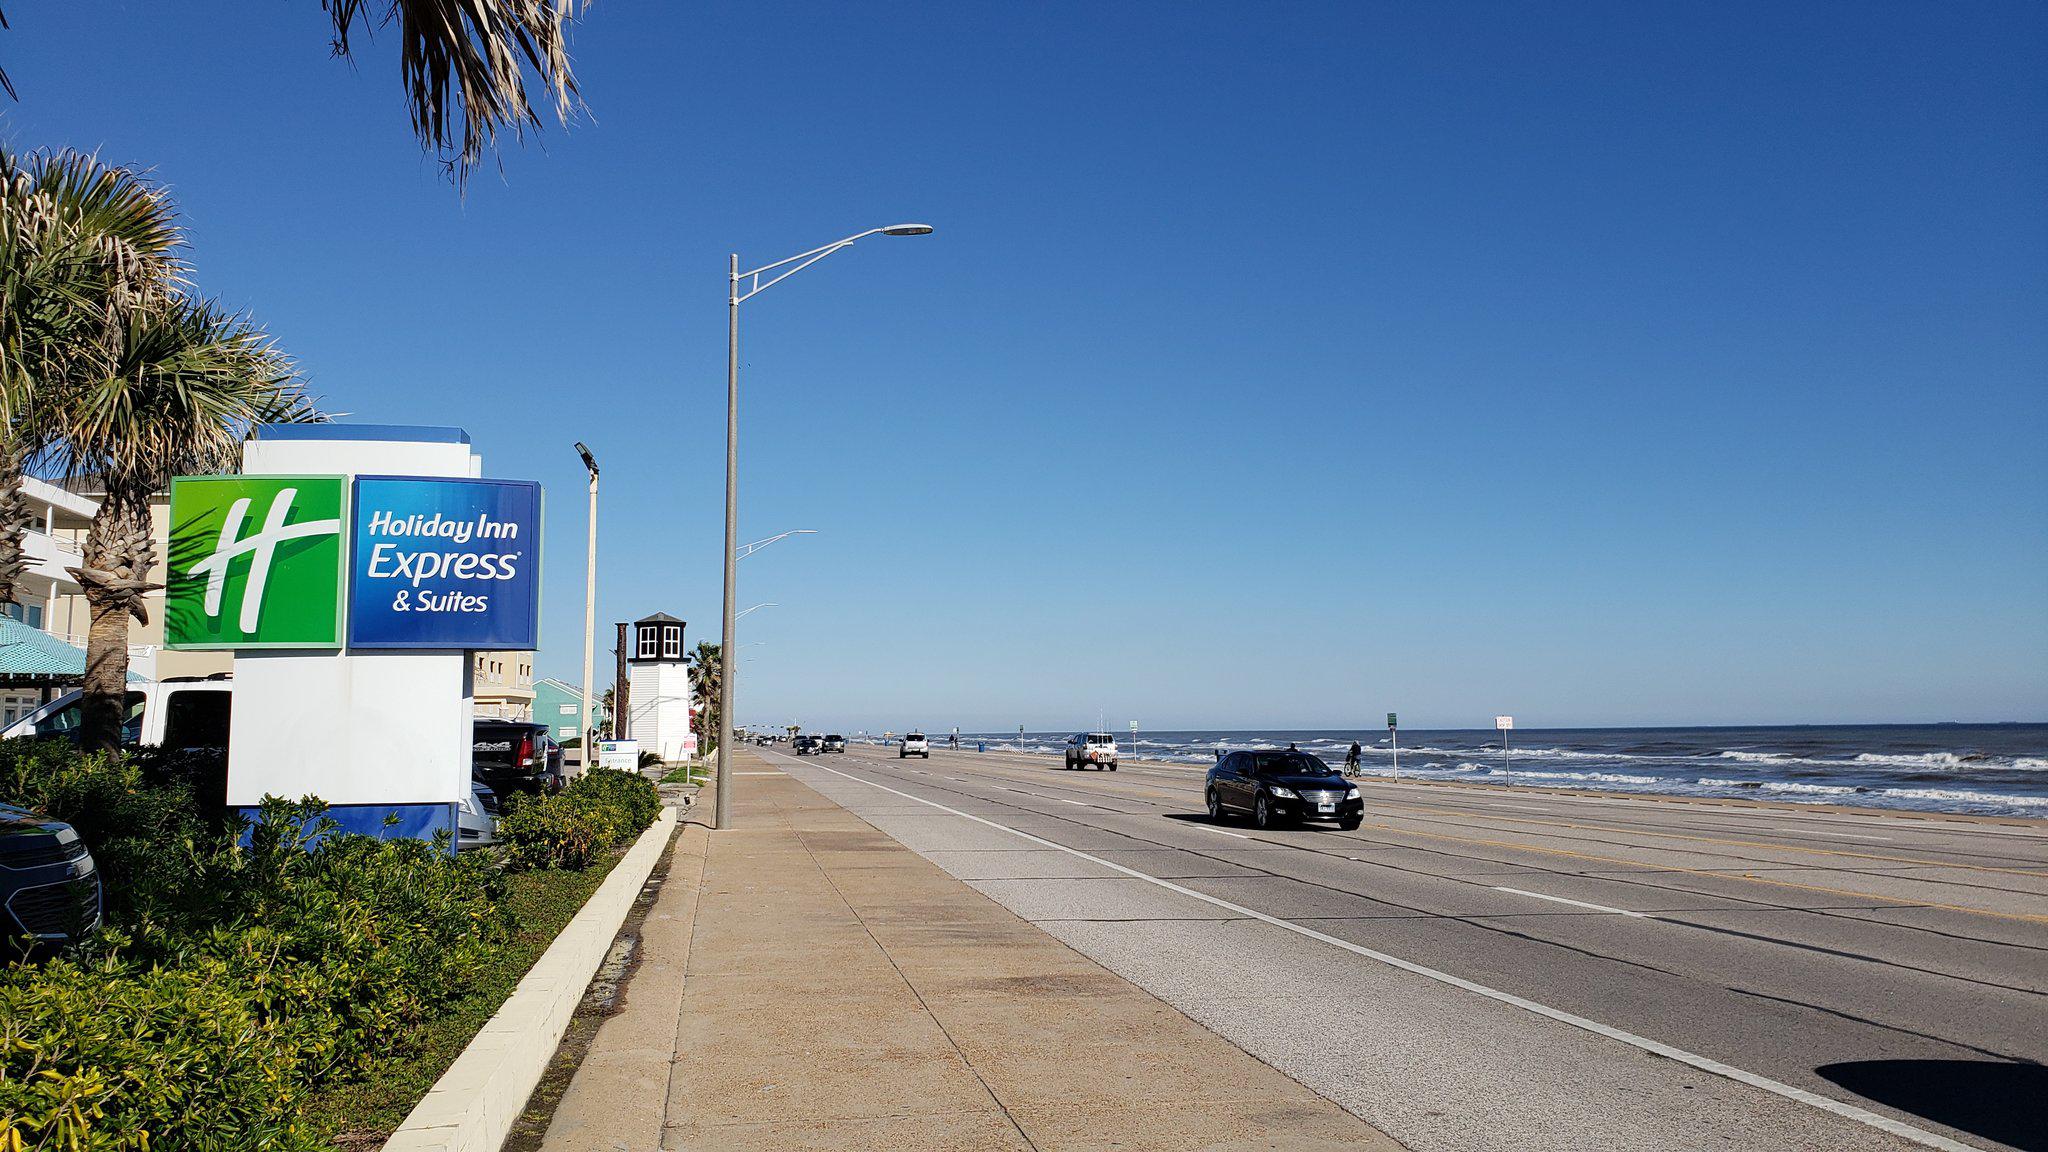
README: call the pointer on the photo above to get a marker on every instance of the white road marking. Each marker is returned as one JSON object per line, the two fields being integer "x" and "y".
{"x": 759, "y": 773}
{"x": 1573, "y": 903}
{"x": 1523, "y": 807}
{"x": 1221, "y": 832}
{"x": 1705, "y": 1064}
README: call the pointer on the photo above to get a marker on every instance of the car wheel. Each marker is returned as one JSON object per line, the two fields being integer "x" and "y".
{"x": 1112, "y": 767}
{"x": 1262, "y": 812}
{"x": 903, "y": 755}
{"x": 1216, "y": 813}
{"x": 1349, "y": 825}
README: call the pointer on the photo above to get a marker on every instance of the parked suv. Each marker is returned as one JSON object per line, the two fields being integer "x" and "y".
{"x": 913, "y": 745}
{"x": 1091, "y": 750}
{"x": 49, "y": 886}
{"x": 833, "y": 743}
{"x": 804, "y": 745}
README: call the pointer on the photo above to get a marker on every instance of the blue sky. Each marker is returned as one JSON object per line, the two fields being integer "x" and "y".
{"x": 1272, "y": 364}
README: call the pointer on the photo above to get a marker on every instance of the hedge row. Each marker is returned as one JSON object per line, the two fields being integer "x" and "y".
{"x": 233, "y": 977}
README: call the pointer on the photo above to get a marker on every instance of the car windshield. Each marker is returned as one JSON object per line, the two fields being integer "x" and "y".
{"x": 835, "y": 736}
{"x": 915, "y": 736}
{"x": 1102, "y": 739}
{"x": 1289, "y": 764}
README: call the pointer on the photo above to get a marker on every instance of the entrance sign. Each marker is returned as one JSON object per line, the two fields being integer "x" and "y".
{"x": 254, "y": 562}
{"x": 445, "y": 563}
{"x": 623, "y": 755}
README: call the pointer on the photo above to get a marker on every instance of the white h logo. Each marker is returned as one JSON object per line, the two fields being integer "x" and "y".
{"x": 264, "y": 546}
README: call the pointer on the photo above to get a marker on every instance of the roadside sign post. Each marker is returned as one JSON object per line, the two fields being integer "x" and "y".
{"x": 1505, "y": 725}
{"x": 1394, "y": 734}
{"x": 1134, "y": 739}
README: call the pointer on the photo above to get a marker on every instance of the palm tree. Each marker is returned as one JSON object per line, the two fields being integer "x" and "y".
{"x": 707, "y": 674}
{"x": 464, "y": 65}
{"x": 189, "y": 384}
{"x": 82, "y": 246}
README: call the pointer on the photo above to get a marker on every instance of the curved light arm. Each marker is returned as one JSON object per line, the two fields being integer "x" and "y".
{"x": 769, "y": 604}
{"x": 749, "y": 549}
{"x": 804, "y": 260}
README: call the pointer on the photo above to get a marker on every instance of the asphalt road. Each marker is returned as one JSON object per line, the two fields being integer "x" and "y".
{"x": 1493, "y": 968}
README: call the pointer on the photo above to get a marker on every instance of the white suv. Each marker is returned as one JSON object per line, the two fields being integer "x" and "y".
{"x": 913, "y": 745}
{"x": 1091, "y": 749}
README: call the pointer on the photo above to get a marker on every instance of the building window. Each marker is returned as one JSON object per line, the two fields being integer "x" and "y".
{"x": 672, "y": 642}
{"x": 649, "y": 637}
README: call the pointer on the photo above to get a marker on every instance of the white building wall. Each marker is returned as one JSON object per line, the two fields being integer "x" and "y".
{"x": 661, "y": 706}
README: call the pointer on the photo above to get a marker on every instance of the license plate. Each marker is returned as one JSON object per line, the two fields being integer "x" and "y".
{"x": 1326, "y": 807}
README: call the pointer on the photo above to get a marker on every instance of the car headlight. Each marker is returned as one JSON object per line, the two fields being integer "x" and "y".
{"x": 1279, "y": 793}
{"x": 1351, "y": 794}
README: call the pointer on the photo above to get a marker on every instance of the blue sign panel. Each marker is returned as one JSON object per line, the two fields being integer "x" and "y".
{"x": 444, "y": 563}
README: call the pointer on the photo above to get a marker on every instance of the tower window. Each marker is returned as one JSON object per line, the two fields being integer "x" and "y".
{"x": 672, "y": 642}
{"x": 649, "y": 637}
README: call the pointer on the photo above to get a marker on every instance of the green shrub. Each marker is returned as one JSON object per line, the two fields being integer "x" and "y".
{"x": 600, "y": 810}
{"x": 237, "y": 975}
{"x": 112, "y": 1056}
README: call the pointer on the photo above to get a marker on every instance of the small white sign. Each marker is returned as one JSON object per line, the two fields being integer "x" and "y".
{"x": 1134, "y": 725}
{"x": 1503, "y": 722}
{"x": 621, "y": 754}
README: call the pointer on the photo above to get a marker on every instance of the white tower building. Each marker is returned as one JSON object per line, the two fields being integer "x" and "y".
{"x": 660, "y": 685}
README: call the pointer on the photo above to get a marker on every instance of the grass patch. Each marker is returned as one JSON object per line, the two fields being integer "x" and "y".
{"x": 541, "y": 903}
{"x": 682, "y": 774}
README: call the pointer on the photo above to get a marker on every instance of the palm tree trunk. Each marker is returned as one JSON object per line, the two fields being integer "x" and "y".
{"x": 119, "y": 549}
{"x": 13, "y": 522}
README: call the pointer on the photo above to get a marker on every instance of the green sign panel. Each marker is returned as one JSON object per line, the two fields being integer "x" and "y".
{"x": 255, "y": 562}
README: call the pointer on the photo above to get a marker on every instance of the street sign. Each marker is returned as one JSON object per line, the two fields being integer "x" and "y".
{"x": 444, "y": 562}
{"x": 1392, "y": 722}
{"x": 255, "y": 562}
{"x": 623, "y": 755}
{"x": 1134, "y": 725}
{"x": 1503, "y": 722}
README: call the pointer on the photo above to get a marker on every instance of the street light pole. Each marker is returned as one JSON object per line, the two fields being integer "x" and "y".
{"x": 722, "y": 809}
{"x": 584, "y": 741}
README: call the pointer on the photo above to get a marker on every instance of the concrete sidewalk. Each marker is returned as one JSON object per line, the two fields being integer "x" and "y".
{"x": 806, "y": 982}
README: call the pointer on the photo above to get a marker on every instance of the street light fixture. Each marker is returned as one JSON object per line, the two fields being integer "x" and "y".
{"x": 783, "y": 269}
{"x": 747, "y": 550}
{"x": 743, "y": 614}
{"x": 583, "y": 740}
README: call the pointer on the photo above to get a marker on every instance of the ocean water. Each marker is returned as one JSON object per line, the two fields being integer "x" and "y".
{"x": 1995, "y": 769}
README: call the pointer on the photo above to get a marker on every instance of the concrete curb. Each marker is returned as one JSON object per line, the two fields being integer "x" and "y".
{"x": 472, "y": 1106}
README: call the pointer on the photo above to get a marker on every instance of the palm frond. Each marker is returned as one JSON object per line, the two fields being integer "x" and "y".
{"x": 465, "y": 64}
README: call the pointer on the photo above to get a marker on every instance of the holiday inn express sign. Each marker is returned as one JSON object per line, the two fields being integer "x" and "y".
{"x": 431, "y": 562}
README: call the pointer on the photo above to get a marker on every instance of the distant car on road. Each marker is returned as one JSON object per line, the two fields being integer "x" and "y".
{"x": 1281, "y": 787}
{"x": 833, "y": 743}
{"x": 804, "y": 745}
{"x": 1091, "y": 750}
{"x": 913, "y": 745}
{"x": 49, "y": 886}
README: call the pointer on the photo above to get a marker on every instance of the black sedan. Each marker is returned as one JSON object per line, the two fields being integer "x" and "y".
{"x": 1282, "y": 788}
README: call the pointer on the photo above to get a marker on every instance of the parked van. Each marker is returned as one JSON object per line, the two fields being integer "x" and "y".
{"x": 179, "y": 712}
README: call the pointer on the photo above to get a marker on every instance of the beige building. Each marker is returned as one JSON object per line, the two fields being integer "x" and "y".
{"x": 504, "y": 685}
